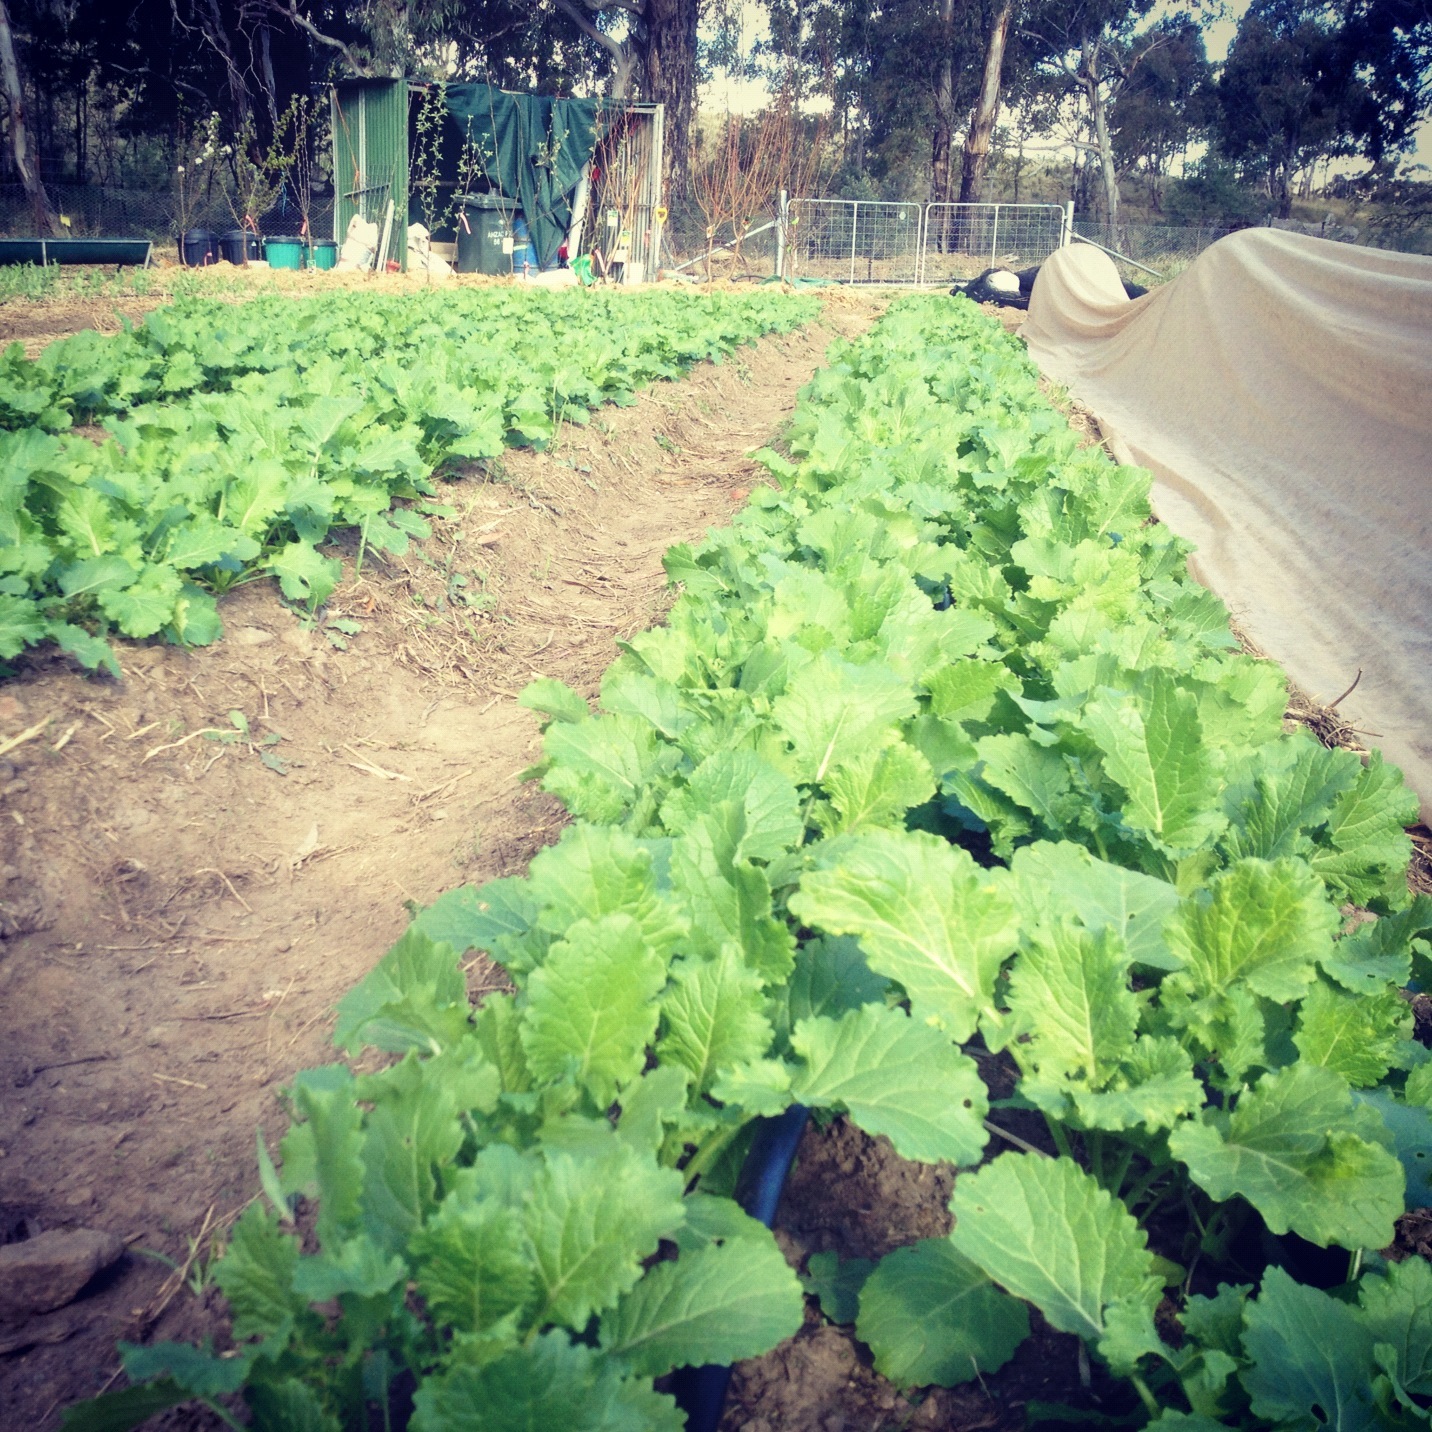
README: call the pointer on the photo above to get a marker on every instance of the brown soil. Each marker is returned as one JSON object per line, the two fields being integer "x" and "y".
{"x": 177, "y": 918}
{"x": 35, "y": 325}
{"x": 853, "y": 1194}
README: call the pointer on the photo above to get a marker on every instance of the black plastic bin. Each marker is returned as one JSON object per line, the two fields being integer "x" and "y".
{"x": 239, "y": 246}
{"x": 198, "y": 247}
{"x": 484, "y": 234}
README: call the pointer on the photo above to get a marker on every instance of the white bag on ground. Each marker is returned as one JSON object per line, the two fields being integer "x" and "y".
{"x": 360, "y": 246}
{"x": 421, "y": 258}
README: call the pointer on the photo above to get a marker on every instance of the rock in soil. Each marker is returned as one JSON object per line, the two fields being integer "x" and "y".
{"x": 44, "y": 1273}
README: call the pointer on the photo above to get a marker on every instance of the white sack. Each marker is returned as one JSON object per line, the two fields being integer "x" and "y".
{"x": 1280, "y": 390}
{"x": 360, "y": 245}
{"x": 421, "y": 258}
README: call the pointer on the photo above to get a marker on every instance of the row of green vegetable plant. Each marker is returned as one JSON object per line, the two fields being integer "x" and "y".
{"x": 240, "y": 435}
{"x": 942, "y": 766}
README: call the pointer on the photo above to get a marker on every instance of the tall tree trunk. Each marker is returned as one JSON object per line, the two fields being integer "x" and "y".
{"x": 944, "y": 109}
{"x": 666, "y": 54}
{"x": 1282, "y": 189}
{"x": 986, "y": 109}
{"x": 25, "y": 163}
{"x": 1098, "y": 113}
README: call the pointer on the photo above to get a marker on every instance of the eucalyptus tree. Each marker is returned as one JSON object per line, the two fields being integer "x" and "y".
{"x": 1308, "y": 81}
{"x": 1167, "y": 104}
{"x": 1096, "y": 48}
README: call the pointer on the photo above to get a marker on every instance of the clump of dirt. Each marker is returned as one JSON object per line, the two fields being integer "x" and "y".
{"x": 197, "y": 860}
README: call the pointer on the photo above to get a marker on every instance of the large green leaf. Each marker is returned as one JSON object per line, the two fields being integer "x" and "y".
{"x": 931, "y": 1316}
{"x": 1310, "y": 1357}
{"x": 598, "y": 870}
{"x": 547, "y": 1384}
{"x": 323, "y": 1152}
{"x": 590, "y": 1223}
{"x": 1071, "y": 1006}
{"x": 925, "y": 914}
{"x": 832, "y": 712}
{"x": 415, "y": 997}
{"x": 712, "y": 1017}
{"x": 1262, "y": 923}
{"x": 829, "y": 978}
{"x": 766, "y": 795}
{"x": 591, "y": 1007}
{"x": 716, "y": 1304}
{"x": 600, "y": 767}
{"x": 1297, "y": 1149}
{"x": 473, "y": 1264}
{"x": 256, "y": 1276}
{"x": 877, "y": 788}
{"x": 130, "y": 1407}
{"x": 1065, "y": 879}
{"x": 1397, "y": 1309}
{"x": 1289, "y": 804}
{"x": 1046, "y": 1231}
{"x": 894, "y": 1077}
{"x": 1356, "y": 1035}
{"x": 1153, "y": 747}
{"x": 412, "y": 1132}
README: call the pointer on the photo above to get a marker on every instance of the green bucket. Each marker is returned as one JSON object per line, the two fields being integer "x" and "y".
{"x": 323, "y": 255}
{"x": 284, "y": 253}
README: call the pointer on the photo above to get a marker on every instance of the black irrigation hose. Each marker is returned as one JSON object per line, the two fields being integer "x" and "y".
{"x": 701, "y": 1391}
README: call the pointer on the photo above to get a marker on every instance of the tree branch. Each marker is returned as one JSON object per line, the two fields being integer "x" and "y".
{"x": 291, "y": 13}
{"x": 622, "y": 59}
{"x": 154, "y": 74}
{"x": 632, "y": 7}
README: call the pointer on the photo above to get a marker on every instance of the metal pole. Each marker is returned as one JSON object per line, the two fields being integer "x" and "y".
{"x": 1115, "y": 254}
{"x": 782, "y": 213}
{"x": 994, "y": 236}
{"x": 854, "y": 227}
{"x": 721, "y": 248}
{"x": 1067, "y": 237}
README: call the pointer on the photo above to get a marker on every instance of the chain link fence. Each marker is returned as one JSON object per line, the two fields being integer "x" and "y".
{"x": 96, "y": 211}
{"x": 1166, "y": 248}
{"x": 844, "y": 240}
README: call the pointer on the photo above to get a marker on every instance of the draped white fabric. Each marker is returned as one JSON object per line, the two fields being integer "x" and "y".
{"x": 1280, "y": 390}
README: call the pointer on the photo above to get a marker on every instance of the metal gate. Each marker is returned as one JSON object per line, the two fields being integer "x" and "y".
{"x": 962, "y": 240}
{"x": 370, "y": 157}
{"x": 865, "y": 241}
{"x": 853, "y": 240}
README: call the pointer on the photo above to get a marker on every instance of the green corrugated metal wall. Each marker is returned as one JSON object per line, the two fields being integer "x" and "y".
{"x": 370, "y": 157}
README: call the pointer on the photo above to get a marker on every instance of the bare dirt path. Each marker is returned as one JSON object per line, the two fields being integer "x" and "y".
{"x": 197, "y": 860}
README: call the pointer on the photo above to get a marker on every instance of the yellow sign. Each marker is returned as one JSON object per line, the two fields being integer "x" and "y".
{"x": 659, "y": 213}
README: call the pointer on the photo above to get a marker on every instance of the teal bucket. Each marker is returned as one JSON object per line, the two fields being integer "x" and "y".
{"x": 323, "y": 255}
{"x": 284, "y": 253}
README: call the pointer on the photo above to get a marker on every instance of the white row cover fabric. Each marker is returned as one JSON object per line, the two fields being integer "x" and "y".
{"x": 1280, "y": 390}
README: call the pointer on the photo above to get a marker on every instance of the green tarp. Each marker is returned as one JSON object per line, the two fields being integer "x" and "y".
{"x": 532, "y": 148}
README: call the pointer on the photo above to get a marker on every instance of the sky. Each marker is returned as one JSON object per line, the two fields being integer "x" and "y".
{"x": 747, "y": 96}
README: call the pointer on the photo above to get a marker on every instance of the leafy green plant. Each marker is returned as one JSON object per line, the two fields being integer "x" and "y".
{"x": 241, "y": 436}
{"x": 941, "y": 761}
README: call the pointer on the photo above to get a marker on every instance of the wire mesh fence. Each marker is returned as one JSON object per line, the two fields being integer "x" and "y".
{"x": 962, "y": 240}
{"x": 101, "y": 211}
{"x": 854, "y": 241}
{"x": 845, "y": 240}
{"x": 1165, "y": 248}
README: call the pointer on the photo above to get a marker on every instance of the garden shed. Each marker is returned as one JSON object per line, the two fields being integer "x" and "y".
{"x": 534, "y": 149}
